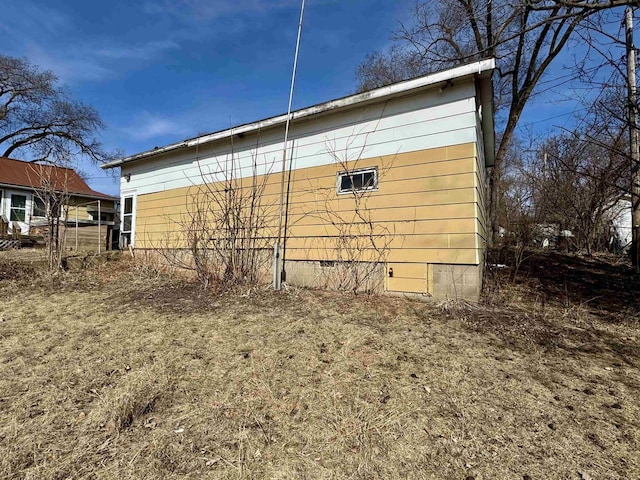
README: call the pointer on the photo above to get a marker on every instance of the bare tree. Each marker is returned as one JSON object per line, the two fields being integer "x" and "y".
{"x": 524, "y": 36}
{"x": 40, "y": 120}
{"x": 51, "y": 202}
{"x": 567, "y": 182}
{"x": 56, "y": 202}
{"x": 579, "y": 184}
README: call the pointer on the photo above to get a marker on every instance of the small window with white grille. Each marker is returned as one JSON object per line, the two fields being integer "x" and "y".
{"x": 358, "y": 180}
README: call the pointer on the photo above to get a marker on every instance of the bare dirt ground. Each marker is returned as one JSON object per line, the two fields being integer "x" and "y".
{"x": 118, "y": 372}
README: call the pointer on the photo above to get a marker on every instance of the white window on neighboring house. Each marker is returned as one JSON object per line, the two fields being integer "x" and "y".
{"x": 39, "y": 207}
{"x": 18, "y": 211}
{"x": 357, "y": 180}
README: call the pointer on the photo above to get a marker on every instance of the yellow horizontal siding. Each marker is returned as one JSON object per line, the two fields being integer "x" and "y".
{"x": 403, "y": 218}
{"x": 80, "y": 213}
{"x": 409, "y": 285}
{"x": 426, "y": 204}
{"x": 408, "y": 270}
{"x": 397, "y": 229}
{"x": 397, "y": 241}
{"x": 393, "y": 214}
{"x": 304, "y": 203}
{"x": 480, "y": 185}
{"x": 318, "y": 189}
{"x": 461, "y": 151}
{"x": 446, "y": 241}
{"x": 435, "y": 255}
{"x": 432, "y": 162}
{"x": 444, "y": 167}
{"x": 400, "y": 230}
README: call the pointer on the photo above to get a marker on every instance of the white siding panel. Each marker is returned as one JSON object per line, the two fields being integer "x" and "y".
{"x": 192, "y": 175}
{"x": 428, "y": 120}
{"x": 268, "y": 146}
{"x": 623, "y": 222}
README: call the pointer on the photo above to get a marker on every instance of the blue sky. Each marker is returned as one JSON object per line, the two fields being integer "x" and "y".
{"x": 161, "y": 71}
{"x": 165, "y": 70}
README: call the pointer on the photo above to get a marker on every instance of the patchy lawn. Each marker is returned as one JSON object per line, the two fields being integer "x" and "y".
{"x": 117, "y": 373}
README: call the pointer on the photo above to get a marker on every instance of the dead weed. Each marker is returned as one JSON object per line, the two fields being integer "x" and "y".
{"x": 131, "y": 398}
{"x": 137, "y": 376}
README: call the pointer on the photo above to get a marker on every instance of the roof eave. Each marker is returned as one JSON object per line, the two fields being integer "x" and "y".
{"x": 96, "y": 196}
{"x": 99, "y": 196}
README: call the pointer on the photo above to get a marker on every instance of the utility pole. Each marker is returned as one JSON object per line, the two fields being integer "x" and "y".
{"x": 633, "y": 140}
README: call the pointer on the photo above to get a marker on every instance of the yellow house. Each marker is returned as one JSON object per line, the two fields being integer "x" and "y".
{"x": 386, "y": 187}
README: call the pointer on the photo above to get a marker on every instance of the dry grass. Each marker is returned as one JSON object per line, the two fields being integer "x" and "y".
{"x": 118, "y": 373}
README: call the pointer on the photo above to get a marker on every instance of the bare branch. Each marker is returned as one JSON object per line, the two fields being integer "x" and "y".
{"x": 37, "y": 117}
{"x": 525, "y": 37}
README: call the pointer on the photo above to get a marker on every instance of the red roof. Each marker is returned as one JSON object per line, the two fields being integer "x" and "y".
{"x": 36, "y": 175}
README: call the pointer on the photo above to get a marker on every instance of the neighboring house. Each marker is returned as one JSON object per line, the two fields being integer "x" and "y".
{"x": 417, "y": 149}
{"x": 621, "y": 222}
{"x": 29, "y": 191}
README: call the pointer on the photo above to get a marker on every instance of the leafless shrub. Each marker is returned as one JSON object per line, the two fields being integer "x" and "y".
{"x": 359, "y": 243}
{"x": 224, "y": 235}
{"x": 148, "y": 265}
{"x": 51, "y": 203}
{"x": 360, "y": 246}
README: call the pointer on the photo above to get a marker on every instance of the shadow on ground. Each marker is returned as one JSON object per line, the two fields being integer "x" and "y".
{"x": 605, "y": 283}
{"x": 581, "y": 305}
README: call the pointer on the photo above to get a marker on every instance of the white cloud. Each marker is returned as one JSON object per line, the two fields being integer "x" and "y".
{"x": 68, "y": 68}
{"x": 22, "y": 17}
{"x": 91, "y": 63}
{"x": 208, "y": 9}
{"x": 146, "y": 51}
{"x": 47, "y": 37}
{"x": 146, "y": 126}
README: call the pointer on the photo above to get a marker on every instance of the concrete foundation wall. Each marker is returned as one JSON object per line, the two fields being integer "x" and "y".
{"x": 447, "y": 281}
{"x": 350, "y": 277}
{"x": 457, "y": 282}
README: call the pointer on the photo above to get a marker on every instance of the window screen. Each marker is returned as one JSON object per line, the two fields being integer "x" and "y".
{"x": 128, "y": 205}
{"x": 127, "y": 215}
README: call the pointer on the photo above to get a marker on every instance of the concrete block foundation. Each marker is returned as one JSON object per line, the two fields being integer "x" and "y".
{"x": 456, "y": 282}
{"x": 438, "y": 281}
{"x": 342, "y": 276}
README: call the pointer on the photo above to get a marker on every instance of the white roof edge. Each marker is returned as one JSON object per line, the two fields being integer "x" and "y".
{"x": 475, "y": 68}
